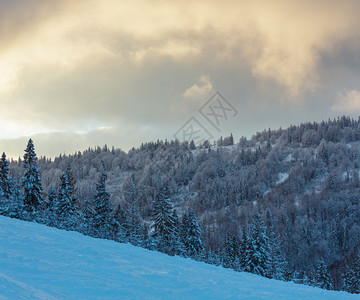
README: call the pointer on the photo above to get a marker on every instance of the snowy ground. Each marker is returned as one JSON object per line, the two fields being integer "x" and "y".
{"x": 38, "y": 262}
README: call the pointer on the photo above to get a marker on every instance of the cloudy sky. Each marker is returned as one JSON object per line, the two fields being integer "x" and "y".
{"x": 75, "y": 74}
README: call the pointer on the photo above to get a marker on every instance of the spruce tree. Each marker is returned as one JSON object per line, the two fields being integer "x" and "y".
{"x": 191, "y": 236}
{"x": 278, "y": 266}
{"x": 163, "y": 226}
{"x": 355, "y": 280}
{"x": 348, "y": 277}
{"x": 257, "y": 252}
{"x": 87, "y": 218}
{"x": 133, "y": 226}
{"x": 277, "y": 263}
{"x": 102, "y": 218}
{"x": 118, "y": 224}
{"x": 64, "y": 208}
{"x": 178, "y": 245}
{"x": 144, "y": 235}
{"x": 72, "y": 182}
{"x": 33, "y": 193}
{"x": 5, "y": 181}
{"x": 243, "y": 246}
{"x": 119, "y": 216}
{"x": 231, "y": 252}
{"x": 213, "y": 258}
{"x": 322, "y": 277}
{"x": 192, "y": 145}
{"x": 15, "y": 208}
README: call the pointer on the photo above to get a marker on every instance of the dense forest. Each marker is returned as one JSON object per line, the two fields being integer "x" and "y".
{"x": 284, "y": 204}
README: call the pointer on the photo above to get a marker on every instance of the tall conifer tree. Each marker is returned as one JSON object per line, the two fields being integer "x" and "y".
{"x": 5, "y": 181}
{"x": 102, "y": 207}
{"x": 164, "y": 230}
{"x": 33, "y": 193}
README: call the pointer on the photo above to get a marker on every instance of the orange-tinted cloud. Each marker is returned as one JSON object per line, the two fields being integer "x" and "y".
{"x": 84, "y": 64}
{"x": 280, "y": 40}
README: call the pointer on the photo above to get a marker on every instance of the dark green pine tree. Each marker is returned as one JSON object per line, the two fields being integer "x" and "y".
{"x": 133, "y": 226}
{"x": 145, "y": 239}
{"x": 178, "y": 245}
{"x": 177, "y": 223}
{"x": 164, "y": 231}
{"x": 72, "y": 183}
{"x": 278, "y": 267}
{"x": 5, "y": 181}
{"x": 231, "y": 252}
{"x": 257, "y": 252}
{"x": 102, "y": 218}
{"x": 322, "y": 277}
{"x": 191, "y": 236}
{"x": 87, "y": 218}
{"x": 192, "y": 145}
{"x": 118, "y": 224}
{"x": 64, "y": 207}
{"x": 213, "y": 258}
{"x": 355, "y": 280}
{"x": 347, "y": 277}
{"x": 33, "y": 193}
{"x": 119, "y": 216}
{"x": 243, "y": 246}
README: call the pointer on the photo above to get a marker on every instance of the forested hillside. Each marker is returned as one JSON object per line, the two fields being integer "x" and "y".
{"x": 284, "y": 204}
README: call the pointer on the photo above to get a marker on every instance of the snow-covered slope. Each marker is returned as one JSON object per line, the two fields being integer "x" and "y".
{"x": 38, "y": 262}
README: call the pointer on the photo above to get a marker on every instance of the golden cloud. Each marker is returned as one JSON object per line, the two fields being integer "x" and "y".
{"x": 280, "y": 40}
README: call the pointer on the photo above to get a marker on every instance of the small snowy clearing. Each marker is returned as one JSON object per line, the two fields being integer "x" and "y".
{"x": 282, "y": 178}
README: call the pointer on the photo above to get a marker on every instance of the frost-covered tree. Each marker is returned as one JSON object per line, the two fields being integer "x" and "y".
{"x": 213, "y": 258}
{"x": 191, "y": 235}
{"x": 33, "y": 193}
{"x": 178, "y": 245}
{"x": 164, "y": 231}
{"x": 231, "y": 252}
{"x": 322, "y": 277}
{"x": 192, "y": 145}
{"x": 351, "y": 278}
{"x": 355, "y": 282}
{"x": 243, "y": 246}
{"x": 5, "y": 181}
{"x": 87, "y": 218}
{"x": 133, "y": 226}
{"x": 118, "y": 223}
{"x": 103, "y": 216}
{"x": 257, "y": 252}
{"x": 72, "y": 182}
{"x": 277, "y": 266}
{"x": 119, "y": 216}
{"x": 227, "y": 141}
{"x": 64, "y": 208}
{"x": 131, "y": 192}
{"x": 347, "y": 278}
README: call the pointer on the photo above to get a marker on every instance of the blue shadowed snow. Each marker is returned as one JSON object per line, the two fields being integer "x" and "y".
{"x": 38, "y": 262}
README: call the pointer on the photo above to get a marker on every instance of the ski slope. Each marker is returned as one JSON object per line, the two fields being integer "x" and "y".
{"x": 38, "y": 262}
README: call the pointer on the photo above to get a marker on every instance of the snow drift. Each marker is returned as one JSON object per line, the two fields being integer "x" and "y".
{"x": 40, "y": 262}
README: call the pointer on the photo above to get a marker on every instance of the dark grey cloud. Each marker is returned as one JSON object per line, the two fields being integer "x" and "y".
{"x": 114, "y": 67}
